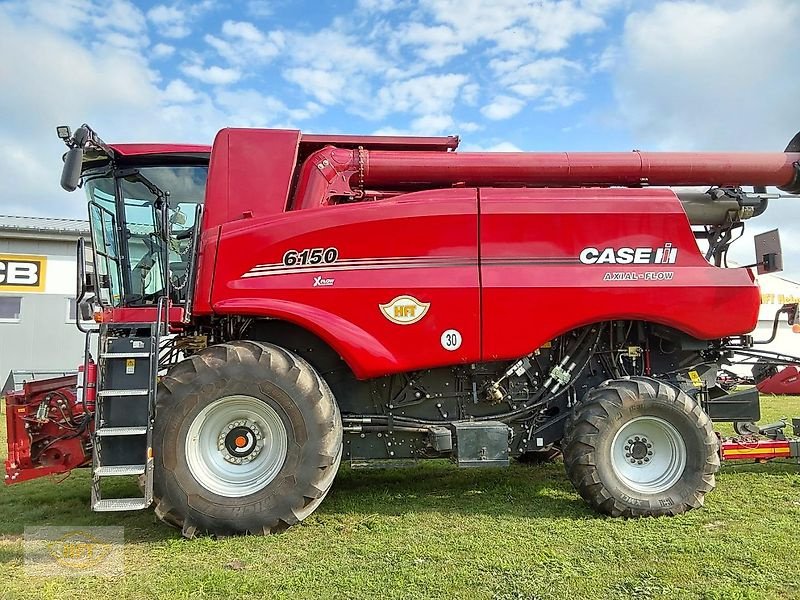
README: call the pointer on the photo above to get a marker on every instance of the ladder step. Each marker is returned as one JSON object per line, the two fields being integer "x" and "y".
{"x": 109, "y": 431}
{"x": 110, "y": 504}
{"x": 125, "y": 355}
{"x": 118, "y": 470}
{"x": 104, "y": 393}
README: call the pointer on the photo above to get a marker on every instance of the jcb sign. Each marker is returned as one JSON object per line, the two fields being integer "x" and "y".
{"x": 19, "y": 273}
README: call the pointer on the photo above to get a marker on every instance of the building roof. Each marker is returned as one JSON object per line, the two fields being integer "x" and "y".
{"x": 17, "y": 224}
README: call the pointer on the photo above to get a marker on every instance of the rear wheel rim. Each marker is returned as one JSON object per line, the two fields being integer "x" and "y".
{"x": 236, "y": 446}
{"x": 648, "y": 454}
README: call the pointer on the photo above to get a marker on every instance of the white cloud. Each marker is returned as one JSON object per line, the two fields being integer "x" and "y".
{"x": 323, "y": 85}
{"x": 382, "y": 5}
{"x": 61, "y": 14}
{"x": 426, "y": 94}
{"x": 119, "y": 14}
{"x": 251, "y": 108}
{"x": 334, "y": 67}
{"x": 178, "y": 91}
{"x": 433, "y": 124}
{"x": 213, "y": 75}
{"x": 260, "y": 8}
{"x": 435, "y": 45}
{"x": 243, "y": 43}
{"x": 50, "y": 88}
{"x": 685, "y": 79}
{"x": 502, "y": 107}
{"x": 715, "y": 76}
{"x": 545, "y": 25}
{"x": 162, "y": 50}
{"x": 170, "y": 21}
{"x": 503, "y": 146}
{"x": 335, "y": 50}
{"x": 551, "y": 81}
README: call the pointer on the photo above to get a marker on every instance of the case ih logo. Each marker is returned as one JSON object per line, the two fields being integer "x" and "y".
{"x": 22, "y": 273}
{"x": 629, "y": 256}
{"x": 404, "y": 310}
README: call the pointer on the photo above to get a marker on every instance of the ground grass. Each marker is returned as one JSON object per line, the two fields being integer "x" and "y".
{"x": 434, "y": 531}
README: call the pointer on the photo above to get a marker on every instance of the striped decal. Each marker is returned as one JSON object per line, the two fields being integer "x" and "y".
{"x": 402, "y": 262}
{"x": 766, "y": 451}
{"x": 360, "y": 264}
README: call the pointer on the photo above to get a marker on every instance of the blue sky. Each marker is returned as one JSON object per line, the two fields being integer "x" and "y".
{"x": 503, "y": 74}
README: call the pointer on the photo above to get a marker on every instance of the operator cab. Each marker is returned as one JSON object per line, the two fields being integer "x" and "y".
{"x": 145, "y": 204}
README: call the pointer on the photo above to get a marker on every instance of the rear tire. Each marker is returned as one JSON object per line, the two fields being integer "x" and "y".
{"x": 638, "y": 447}
{"x": 247, "y": 440}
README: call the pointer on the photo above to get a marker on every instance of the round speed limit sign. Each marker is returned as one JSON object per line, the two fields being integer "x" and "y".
{"x": 451, "y": 340}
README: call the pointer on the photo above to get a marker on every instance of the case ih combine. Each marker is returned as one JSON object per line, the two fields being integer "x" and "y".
{"x": 280, "y": 302}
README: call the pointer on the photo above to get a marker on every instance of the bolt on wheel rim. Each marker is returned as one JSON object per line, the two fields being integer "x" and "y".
{"x": 236, "y": 446}
{"x": 648, "y": 454}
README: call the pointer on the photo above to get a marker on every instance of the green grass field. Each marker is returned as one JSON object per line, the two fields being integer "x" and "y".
{"x": 434, "y": 531}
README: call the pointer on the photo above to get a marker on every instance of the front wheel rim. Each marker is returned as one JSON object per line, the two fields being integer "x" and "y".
{"x": 648, "y": 455}
{"x": 236, "y": 446}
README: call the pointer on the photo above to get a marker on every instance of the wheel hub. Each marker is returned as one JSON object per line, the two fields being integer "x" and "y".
{"x": 240, "y": 441}
{"x": 648, "y": 454}
{"x": 236, "y": 445}
{"x": 638, "y": 450}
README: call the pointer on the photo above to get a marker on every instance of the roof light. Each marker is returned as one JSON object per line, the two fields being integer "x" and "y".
{"x": 64, "y": 132}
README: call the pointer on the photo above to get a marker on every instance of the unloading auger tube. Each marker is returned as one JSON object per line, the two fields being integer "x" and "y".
{"x": 333, "y": 172}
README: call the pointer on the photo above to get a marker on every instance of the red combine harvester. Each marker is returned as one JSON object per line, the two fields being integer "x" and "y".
{"x": 280, "y": 302}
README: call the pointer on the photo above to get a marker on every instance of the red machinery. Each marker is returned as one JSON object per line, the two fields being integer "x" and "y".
{"x": 304, "y": 299}
{"x": 785, "y": 381}
{"x": 48, "y": 427}
{"x": 763, "y": 443}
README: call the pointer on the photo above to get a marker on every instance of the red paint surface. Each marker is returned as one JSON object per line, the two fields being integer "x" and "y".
{"x": 534, "y": 288}
{"x": 785, "y": 381}
{"x": 527, "y": 239}
{"x": 141, "y": 149}
{"x": 28, "y": 458}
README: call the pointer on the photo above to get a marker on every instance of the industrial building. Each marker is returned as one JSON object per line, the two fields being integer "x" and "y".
{"x": 38, "y": 274}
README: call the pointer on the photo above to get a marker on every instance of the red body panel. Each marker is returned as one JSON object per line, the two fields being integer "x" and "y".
{"x": 143, "y": 314}
{"x": 535, "y": 287}
{"x": 425, "y": 244}
{"x": 249, "y": 174}
{"x": 38, "y": 448}
{"x": 142, "y": 149}
{"x": 530, "y": 285}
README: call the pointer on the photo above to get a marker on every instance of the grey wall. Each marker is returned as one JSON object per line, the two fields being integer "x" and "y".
{"x": 42, "y": 339}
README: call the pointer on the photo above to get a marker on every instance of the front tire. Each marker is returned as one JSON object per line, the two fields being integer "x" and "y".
{"x": 247, "y": 440}
{"x": 638, "y": 447}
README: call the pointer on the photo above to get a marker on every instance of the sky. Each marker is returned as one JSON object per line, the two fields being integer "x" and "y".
{"x": 505, "y": 75}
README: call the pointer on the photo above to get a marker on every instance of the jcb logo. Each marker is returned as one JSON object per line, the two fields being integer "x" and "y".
{"x": 20, "y": 273}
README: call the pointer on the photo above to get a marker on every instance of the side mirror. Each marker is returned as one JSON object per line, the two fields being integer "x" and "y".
{"x": 71, "y": 174}
{"x": 86, "y": 308}
{"x": 73, "y": 159}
